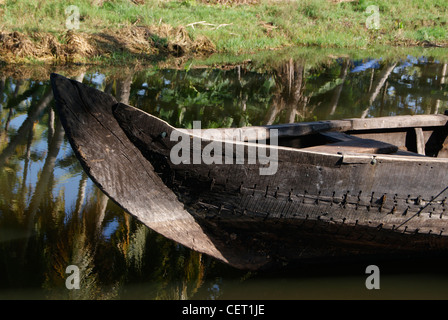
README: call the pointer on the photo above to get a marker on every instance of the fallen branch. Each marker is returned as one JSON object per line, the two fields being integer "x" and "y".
{"x": 199, "y": 22}
{"x": 223, "y": 25}
{"x": 204, "y": 23}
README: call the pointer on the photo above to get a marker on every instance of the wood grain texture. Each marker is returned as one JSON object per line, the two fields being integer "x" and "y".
{"x": 316, "y": 205}
{"x": 289, "y": 130}
{"x": 354, "y": 188}
{"x": 118, "y": 167}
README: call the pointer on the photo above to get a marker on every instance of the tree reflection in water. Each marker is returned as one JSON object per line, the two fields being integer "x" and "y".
{"x": 52, "y": 216}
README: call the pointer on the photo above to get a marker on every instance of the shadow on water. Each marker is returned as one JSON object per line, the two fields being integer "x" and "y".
{"x": 52, "y": 215}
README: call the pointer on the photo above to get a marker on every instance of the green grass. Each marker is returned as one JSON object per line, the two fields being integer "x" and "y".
{"x": 248, "y": 28}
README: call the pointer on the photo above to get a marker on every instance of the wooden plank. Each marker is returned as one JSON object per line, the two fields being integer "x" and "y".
{"x": 303, "y": 188}
{"x": 305, "y": 128}
{"x": 291, "y": 130}
{"x": 119, "y": 169}
{"x": 408, "y": 153}
{"x": 433, "y": 120}
{"x": 337, "y": 136}
{"x": 420, "y": 140}
{"x": 356, "y": 145}
{"x": 397, "y": 138}
{"x": 232, "y": 134}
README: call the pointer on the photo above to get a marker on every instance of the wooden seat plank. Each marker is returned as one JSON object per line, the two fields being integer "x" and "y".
{"x": 291, "y": 130}
{"x": 417, "y": 121}
{"x": 354, "y": 145}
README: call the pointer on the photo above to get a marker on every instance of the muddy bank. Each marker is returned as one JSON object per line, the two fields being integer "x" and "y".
{"x": 142, "y": 43}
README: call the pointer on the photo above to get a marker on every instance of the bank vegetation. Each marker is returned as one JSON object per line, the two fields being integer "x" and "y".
{"x": 141, "y": 31}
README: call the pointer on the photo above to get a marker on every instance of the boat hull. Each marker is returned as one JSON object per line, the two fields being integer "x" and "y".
{"x": 314, "y": 206}
{"x": 403, "y": 194}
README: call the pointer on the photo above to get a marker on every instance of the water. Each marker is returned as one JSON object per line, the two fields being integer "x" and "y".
{"x": 51, "y": 213}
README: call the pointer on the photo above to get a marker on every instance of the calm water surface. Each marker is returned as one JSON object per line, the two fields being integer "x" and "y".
{"x": 52, "y": 215}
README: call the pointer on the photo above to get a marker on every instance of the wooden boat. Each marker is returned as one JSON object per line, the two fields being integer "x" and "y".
{"x": 340, "y": 188}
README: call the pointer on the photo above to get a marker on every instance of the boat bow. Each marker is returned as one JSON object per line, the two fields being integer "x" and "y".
{"x": 120, "y": 170}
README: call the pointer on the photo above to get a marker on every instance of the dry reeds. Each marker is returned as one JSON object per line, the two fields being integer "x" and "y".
{"x": 78, "y": 45}
{"x": 74, "y": 46}
{"x": 43, "y": 46}
{"x": 18, "y": 44}
{"x": 179, "y": 43}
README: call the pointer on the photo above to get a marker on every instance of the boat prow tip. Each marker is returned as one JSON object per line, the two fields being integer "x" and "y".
{"x": 55, "y": 78}
{"x": 58, "y": 84}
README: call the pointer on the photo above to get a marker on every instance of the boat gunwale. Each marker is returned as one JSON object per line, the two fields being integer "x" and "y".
{"x": 361, "y": 157}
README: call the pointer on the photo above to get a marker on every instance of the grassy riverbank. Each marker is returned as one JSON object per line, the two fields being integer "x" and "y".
{"x": 120, "y": 31}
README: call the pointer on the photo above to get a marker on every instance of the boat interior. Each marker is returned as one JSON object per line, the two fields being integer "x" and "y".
{"x": 419, "y": 135}
{"x": 429, "y": 142}
{"x": 416, "y": 139}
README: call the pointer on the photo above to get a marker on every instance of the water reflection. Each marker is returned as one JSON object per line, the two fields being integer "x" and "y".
{"x": 292, "y": 92}
{"x": 51, "y": 214}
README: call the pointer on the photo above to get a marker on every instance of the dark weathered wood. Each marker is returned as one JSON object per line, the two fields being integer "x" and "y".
{"x": 408, "y": 153}
{"x": 314, "y": 176}
{"x": 120, "y": 170}
{"x": 386, "y": 179}
{"x": 315, "y": 204}
{"x": 337, "y": 136}
{"x": 290, "y": 130}
{"x": 421, "y": 121}
{"x": 354, "y": 145}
